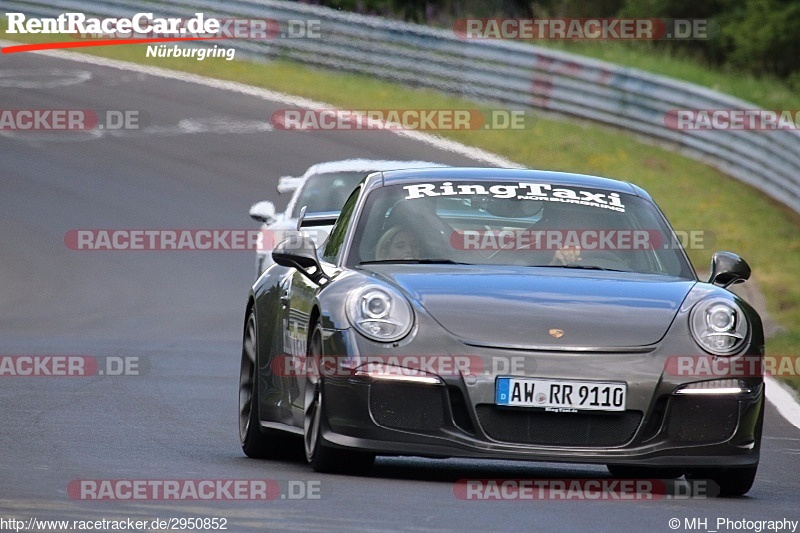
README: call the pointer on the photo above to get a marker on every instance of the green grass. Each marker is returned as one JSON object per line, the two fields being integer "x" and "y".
{"x": 693, "y": 196}
{"x": 786, "y": 344}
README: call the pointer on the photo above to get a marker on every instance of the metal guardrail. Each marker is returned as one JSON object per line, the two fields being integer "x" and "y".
{"x": 513, "y": 73}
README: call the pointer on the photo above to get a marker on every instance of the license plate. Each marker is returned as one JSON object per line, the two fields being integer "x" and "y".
{"x": 561, "y": 395}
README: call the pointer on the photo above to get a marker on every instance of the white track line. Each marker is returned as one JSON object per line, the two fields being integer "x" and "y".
{"x": 783, "y": 400}
{"x": 432, "y": 140}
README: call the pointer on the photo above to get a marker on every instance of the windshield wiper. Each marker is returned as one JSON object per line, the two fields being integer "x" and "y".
{"x": 413, "y": 262}
{"x": 585, "y": 267}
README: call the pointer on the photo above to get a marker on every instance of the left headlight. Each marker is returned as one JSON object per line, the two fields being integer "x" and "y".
{"x": 380, "y": 313}
{"x": 719, "y": 326}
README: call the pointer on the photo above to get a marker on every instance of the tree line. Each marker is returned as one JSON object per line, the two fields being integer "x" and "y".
{"x": 761, "y": 37}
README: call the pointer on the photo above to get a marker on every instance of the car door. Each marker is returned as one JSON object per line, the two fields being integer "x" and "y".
{"x": 300, "y": 300}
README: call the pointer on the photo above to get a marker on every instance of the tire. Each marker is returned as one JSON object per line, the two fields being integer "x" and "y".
{"x": 731, "y": 481}
{"x": 320, "y": 456}
{"x": 256, "y": 442}
{"x": 643, "y": 472}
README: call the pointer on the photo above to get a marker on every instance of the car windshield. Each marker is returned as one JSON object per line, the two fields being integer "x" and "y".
{"x": 522, "y": 224}
{"x": 326, "y": 192}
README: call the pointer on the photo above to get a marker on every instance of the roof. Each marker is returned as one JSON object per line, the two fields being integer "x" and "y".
{"x": 365, "y": 165}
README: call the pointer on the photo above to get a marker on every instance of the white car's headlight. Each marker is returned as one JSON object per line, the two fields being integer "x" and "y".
{"x": 380, "y": 313}
{"x": 718, "y": 326}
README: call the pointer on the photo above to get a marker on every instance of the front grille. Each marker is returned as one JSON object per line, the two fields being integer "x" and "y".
{"x": 407, "y": 406}
{"x": 520, "y": 426}
{"x": 707, "y": 419}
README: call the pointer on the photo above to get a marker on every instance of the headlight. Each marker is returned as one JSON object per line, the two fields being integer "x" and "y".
{"x": 380, "y": 313}
{"x": 718, "y": 326}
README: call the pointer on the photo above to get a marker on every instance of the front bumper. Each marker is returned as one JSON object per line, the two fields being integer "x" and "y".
{"x": 458, "y": 417}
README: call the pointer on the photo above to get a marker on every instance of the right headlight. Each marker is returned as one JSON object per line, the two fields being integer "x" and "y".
{"x": 380, "y": 313}
{"x": 718, "y": 326}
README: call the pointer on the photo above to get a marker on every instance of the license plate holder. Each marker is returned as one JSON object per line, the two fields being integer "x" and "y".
{"x": 560, "y": 394}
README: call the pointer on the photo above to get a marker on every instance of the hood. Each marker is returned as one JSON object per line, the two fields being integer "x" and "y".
{"x": 517, "y": 307}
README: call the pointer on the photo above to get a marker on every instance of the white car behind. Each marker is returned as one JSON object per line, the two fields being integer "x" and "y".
{"x": 322, "y": 189}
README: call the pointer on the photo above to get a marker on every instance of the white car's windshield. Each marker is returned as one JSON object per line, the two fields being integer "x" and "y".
{"x": 326, "y": 192}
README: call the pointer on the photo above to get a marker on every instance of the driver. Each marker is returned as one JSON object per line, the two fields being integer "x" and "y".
{"x": 399, "y": 242}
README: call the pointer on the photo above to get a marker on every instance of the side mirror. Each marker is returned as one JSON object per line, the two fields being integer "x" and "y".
{"x": 728, "y": 268}
{"x": 289, "y": 184}
{"x": 263, "y": 212}
{"x": 300, "y": 217}
{"x": 300, "y": 252}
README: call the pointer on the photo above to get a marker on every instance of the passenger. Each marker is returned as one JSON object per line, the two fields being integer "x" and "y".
{"x": 561, "y": 218}
{"x": 567, "y": 255}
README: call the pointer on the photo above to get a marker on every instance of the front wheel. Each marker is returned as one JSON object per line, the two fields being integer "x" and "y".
{"x": 256, "y": 442}
{"x": 321, "y": 457}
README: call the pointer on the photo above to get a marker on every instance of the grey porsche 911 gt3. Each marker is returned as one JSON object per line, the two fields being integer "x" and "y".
{"x": 504, "y": 314}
